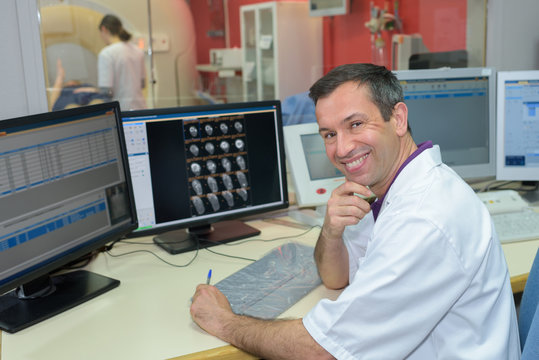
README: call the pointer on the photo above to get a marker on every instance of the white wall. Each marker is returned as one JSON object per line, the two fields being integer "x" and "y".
{"x": 513, "y": 34}
{"x": 22, "y": 89}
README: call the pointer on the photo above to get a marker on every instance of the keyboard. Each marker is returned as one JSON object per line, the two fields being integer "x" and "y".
{"x": 272, "y": 284}
{"x": 517, "y": 226}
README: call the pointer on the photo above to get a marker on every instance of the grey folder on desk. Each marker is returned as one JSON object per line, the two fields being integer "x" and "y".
{"x": 269, "y": 286}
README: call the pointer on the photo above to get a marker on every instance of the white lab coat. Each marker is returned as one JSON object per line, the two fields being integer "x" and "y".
{"x": 120, "y": 67}
{"x": 428, "y": 279}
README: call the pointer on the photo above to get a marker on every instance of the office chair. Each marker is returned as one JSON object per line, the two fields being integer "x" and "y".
{"x": 528, "y": 320}
{"x": 298, "y": 109}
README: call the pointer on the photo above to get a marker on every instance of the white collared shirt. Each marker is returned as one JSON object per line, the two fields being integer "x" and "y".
{"x": 428, "y": 279}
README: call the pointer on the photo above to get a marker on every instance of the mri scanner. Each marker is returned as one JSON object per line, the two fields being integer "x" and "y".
{"x": 164, "y": 29}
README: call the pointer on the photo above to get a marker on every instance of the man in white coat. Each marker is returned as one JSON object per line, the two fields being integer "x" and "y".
{"x": 422, "y": 270}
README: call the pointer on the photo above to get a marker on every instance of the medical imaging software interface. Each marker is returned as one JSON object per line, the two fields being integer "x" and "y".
{"x": 201, "y": 163}
{"x": 521, "y": 133}
{"x": 61, "y": 185}
{"x": 453, "y": 113}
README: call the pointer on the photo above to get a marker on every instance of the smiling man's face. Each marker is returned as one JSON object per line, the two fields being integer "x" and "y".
{"x": 358, "y": 141}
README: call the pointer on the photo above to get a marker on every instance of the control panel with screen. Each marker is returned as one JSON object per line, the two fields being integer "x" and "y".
{"x": 313, "y": 175}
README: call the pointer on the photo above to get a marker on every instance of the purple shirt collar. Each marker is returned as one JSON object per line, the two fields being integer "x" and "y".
{"x": 377, "y": 205}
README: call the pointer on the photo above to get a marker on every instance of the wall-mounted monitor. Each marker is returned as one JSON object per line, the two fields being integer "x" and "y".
{"x": 518, "y": 126}
{"x": 328, "y": 7}
{"x": 64, "y": 193}
{"x": 314, "y": 176}
{"x": 192, "y": 168}
{"x": 455, "y": 108}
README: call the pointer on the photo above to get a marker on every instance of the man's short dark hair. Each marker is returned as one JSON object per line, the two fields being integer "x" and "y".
{"x": 384, "y": 87}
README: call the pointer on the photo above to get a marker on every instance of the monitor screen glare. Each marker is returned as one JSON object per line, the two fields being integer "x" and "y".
{"x": 317, "y": 161}
{"x": 193, "y": 167}
{"x": 313, "y": 174}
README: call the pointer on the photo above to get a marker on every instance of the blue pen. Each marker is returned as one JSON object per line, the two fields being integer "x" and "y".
{"x": 209, "y": 278}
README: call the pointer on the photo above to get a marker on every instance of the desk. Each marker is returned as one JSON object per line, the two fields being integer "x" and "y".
{"x": 147, "y": 316}
{"x": 519, "y": 257}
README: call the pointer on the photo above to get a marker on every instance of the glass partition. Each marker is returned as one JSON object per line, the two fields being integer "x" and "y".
{"x": 71, "y": 43}
{"x": 202, "y": 51}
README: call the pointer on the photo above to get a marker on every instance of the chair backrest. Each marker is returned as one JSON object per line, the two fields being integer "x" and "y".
{"x": 298, "y": 109}
{"x": 528, "y": 320}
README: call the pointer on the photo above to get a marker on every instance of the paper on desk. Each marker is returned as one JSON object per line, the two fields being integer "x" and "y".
{"x": 269, "y": 286}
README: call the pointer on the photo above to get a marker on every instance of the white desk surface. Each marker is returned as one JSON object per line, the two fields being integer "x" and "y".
{"x": 147, "y": 316}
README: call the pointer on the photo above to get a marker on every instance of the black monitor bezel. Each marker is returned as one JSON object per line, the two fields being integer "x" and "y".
{"x": 218, "y": 217}
{"x": 70, "y": 255}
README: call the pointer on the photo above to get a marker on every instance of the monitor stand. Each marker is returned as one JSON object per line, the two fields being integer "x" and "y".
{"x": 48, "y": 296}
{"x": 183, "y": 240}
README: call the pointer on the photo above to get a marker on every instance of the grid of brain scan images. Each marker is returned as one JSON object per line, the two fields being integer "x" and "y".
{"x": 216, "y": 154}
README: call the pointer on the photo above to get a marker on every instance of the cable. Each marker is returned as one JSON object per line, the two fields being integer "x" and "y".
{"x": 252, "y": 240}
{"x": 107, "y": 249}
{"x": 79, "y": 263}
{"x": 269, "y": 240}
{"x": 229, "y": 256}
{"x": 493, "y": 185}
{"x": 157, "y": 256}
{"x": 497, "y": 185}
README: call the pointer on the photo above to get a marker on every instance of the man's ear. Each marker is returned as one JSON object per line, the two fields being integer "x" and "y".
{"x": 400, "y": 113}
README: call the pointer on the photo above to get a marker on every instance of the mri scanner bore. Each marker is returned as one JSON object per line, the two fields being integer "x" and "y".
{"x": 70, "y": 32}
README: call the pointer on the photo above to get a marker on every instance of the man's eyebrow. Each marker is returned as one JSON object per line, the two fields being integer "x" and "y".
{"x": 349, "y": 118}
{"x": 321, "y": 130}
{"x": 354, "y": 116}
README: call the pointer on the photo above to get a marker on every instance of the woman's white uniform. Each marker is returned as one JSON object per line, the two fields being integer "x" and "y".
{"x": 120, "y": 67}
{"x": 428, "y": 278}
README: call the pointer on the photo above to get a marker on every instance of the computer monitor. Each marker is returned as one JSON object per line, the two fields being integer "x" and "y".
{"x": 194, "y": 167}
{"x": 64, "y": 193}
{"x": 455, "y": 108}
{"x": 518, "y": 126}
{"x": 314, "y": 176}
{"x": 435, "y": 60}
{"x": 328, "y": 7}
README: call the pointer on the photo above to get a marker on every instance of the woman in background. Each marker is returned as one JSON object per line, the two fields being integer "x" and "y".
{"x": 120, "y": 65}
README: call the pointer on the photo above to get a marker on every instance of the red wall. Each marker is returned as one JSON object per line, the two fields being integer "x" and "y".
{"x": 442, "y": 23}
{"x": 206, "y": 19}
